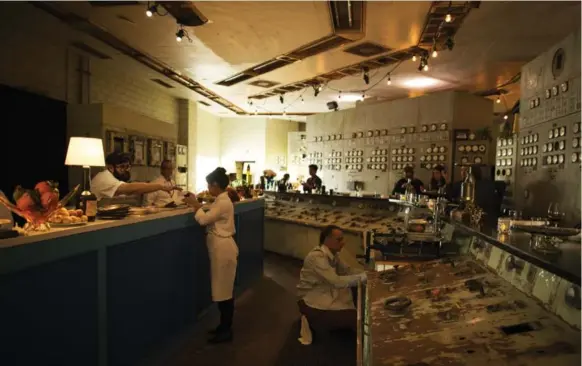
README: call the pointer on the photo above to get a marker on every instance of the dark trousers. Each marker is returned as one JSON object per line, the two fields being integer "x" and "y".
{"x": 329, "y": 320}
{"x": 226, "y": 309}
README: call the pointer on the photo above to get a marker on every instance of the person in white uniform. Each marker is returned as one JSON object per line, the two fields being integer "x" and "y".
{"x": 6, "y": 220}
{"x": 164, "y": 198}
{"x": 222, "y": 249}
{"x": 113, "y": 181}
{"x": 326, "y": 282}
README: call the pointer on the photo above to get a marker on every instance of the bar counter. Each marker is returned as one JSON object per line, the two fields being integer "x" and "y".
{"x": 105, "y": 293}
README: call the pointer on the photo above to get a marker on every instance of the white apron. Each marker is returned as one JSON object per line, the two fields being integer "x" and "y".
{"x": 223, "y": 254}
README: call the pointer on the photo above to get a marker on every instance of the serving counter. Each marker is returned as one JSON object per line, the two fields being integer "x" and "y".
{"x": 104, "y": 293}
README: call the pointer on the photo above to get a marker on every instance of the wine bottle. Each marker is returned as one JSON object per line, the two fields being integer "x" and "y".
{"x": 88, "y": 203}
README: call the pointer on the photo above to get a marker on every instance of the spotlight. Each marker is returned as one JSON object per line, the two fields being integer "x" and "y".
{"x": 505, "y": 117}
{"x": 389, "y": 82}
{"x": 281, "y": 99}
{"x": 425, "y": 68}
{"x": 413, "y": 58}
{"x": 180, "y": 34}
{"x": 363, "y": 96}
{"x": 434, "y": 53}
{"x": 450, "y": 43}
{"x": 302, "y": 101}
{"x": 366, "y": 76}
{"x": 151, "y": 11}
{"x": 498, "y": 100}
{"x": 339, "y": 95}
{"x": 448, "y": 18}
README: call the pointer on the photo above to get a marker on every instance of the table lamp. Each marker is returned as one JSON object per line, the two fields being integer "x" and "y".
{"x": 85, "y": 152}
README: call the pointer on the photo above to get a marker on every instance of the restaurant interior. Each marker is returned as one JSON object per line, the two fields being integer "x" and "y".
{"x": 446, "y": 140}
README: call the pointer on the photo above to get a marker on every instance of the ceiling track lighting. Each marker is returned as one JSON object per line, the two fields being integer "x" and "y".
{"x": 154, "y": 9}
{"x": 182, "y": 33}
{"x": 423, "y": 66}
{"x": 450, "y": 43}
{"x": 316, "y": 90}
{"x": 281, "y": 99}
{"x": 449, "y": 17}
{"x": 413, "y": 58}
{"x": 389, "y": 81}
{"x": 505, "y": 117}
{"x": 366, "y": 77}
{"x": 339, "y": 95}
{"x": 498, "y": 99}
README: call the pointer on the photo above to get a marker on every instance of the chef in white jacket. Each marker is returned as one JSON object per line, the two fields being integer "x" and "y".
{"x": 222, "y": 249}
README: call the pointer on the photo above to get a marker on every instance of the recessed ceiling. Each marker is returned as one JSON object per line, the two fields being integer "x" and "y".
{"x": 492, "y": 43}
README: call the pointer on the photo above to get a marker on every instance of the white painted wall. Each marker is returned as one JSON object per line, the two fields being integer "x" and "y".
{"x": 208, "y": 140}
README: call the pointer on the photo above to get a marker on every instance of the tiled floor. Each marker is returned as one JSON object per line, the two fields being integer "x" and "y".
{"x": 266, "y": 330}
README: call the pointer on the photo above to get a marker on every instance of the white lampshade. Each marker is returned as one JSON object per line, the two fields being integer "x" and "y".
{"x": 85, "y": 151}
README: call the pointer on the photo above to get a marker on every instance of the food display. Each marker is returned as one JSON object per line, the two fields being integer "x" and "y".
{"x": 68, "y": 217}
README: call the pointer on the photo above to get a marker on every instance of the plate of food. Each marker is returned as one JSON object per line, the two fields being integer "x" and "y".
{"x": 67, "y": 218}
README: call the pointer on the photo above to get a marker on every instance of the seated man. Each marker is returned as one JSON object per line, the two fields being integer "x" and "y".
{"x": 325, "y": 284}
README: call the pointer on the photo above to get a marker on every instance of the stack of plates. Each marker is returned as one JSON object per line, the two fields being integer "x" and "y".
{"x": 113, "y": 212}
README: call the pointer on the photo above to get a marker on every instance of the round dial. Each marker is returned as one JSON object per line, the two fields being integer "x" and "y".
{"x": 475, "y": 148}
{"x": 423, "y": 158}
{"x": 411, "y": 129}
{"x": 472, "y": 136}
{"x": 377, "y": 133}
{"x": 576, "y": 127}
{"x": 551, "y": 134}
{"x": 478, "y": 160}
{"x": 510, "y": 152}
{"x": 461, "y": 148}
{"x": 575, "y": 142}
{"x": 562, "y": 145}
{"x": 550, "y": 147}
{"x": 442, "y": 149}
{"x": 360, "y": 134}
{"x": 424, "y": 128}
{"x": 464, "y": 160}
{"x": 555, "y": 159}
{"x": 370, "y": 133}
{"x": 429, "y": 158}
{"x": 503, "y": 152}
{"x": 428, "y": 166}
{"x": 562, "y": 131}
{"x": 429, "y": 150}
{"x": 561, "y": 159}
{"x": 403, "y": 130}
{"x": 433, "y": 127}
{"x": 574, "y": 157}
{"x": 510, "y": 142}
{"x": 441, "y": 158}
{"x": 504, "y": 142}
{"x": 482, "y": 148}
{"x": 411, "y": 150}
{"x": 535, "y": 137}
{"x": 443, "y": 127}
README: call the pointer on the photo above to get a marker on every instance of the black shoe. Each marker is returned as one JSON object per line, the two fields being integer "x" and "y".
{"x": 221, "y": 337}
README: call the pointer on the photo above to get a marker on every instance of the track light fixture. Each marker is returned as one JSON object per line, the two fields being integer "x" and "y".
{"x": 413, "y": 58}
{"x": 281, "y": 99}
{"x": 389, "y": 81}
{"x": 505, "y": 117}
{"x": 366, "y": 76}
{"x": 449, "y": 17}
{"x": 154, "y": 9}
{"x": 339, "y": 95}
{"x": 498, "y": 99}
{"x": 423, "y": 66}
{"x": 434, "y": 53}
{"x": 450, "y": 43}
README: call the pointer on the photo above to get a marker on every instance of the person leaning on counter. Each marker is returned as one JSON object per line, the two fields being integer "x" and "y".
{"x": 400, "y": 186}
{"x": 313, "y": 182}
{"x": 113, "y": 181}
{"x": 164, "y": 198}
{"x": 222, "y": 249}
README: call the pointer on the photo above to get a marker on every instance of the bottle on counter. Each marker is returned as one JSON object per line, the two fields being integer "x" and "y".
{"x": 88, "y": 203}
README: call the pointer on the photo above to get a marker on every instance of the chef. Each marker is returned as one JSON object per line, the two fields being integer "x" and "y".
{"x": 222, "y": 249}
{"x": 400, "y": 186}
{"x": 164, "y": 198}
{"x": 324, "y": 289}
{"x": 313, "y": 182}
{"x": 113, "y": 181}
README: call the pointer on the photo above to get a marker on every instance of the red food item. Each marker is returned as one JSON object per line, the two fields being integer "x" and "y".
{"x": 49, "y": 200}
{"x": 43, "y": 187}
{"x": 25, "y": 202}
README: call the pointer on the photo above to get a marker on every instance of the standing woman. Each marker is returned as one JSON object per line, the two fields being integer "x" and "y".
{"x": 222, "y": 250}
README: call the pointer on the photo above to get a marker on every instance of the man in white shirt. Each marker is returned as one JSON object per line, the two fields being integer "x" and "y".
{"x": 113, "y": 181}
{"x": 164, "y": 198}
{"x": 325, "y": 284}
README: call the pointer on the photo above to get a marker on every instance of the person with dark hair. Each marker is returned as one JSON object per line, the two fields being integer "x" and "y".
{"x": 400, "y": 186}
{"x": 438, "y": 179}
{"x": 166, "y": 178}
{"x": 222, "y": 249}
{"x": 113, "y": 181}
{"x": 313, "y": 182}
{"x": 283, "y": 185}
{"x": 324, "y": 289}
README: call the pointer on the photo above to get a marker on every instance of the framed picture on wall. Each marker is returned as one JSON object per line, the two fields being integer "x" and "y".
{"x": 138, "y": 149}
{"x": 116, "y": 141}
{"x": 156, "y": 152}
{"x": 170, "y": 151}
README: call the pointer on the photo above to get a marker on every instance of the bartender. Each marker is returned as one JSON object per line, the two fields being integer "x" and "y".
{"x": 400, "y": 186}
{"x": 163, "y": 198}
{"x": 113, "y": 181}
{"x": 438, "y": 179}
{"x": 313, "y": 182}
{"x": 455, "y": 188}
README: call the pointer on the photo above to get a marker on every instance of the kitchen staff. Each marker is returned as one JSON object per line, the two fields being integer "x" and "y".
{"x": 313, "y": 182}
{"x": 222, "y": 250}
{"x": 5, "y": 216}
{"x": 164, "y": 198}
{"x": 400, "y": 186}
{"x": 113, "y": 181}
{"x": 438, "y": 179}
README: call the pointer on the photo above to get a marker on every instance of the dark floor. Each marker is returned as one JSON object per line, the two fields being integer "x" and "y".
{"x": 266, "y": 329}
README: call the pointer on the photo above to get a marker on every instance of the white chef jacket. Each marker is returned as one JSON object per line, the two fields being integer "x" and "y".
{"x": 104, "y": 184}
{"x": 162, "y": 198}
{"x": 5, "y": 214}
{"x": 325, "y": 281}
{"x": 219, "y": 219}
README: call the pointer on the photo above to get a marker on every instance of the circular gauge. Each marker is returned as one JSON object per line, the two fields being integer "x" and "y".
{"x": 550, "y": 147}
{"x": 373, "y": 152}
{"x": 349, "y": 153}
{"x": 461, "y": 148}
{"x": 508, "y": 172}
{"x": 551, "y": 134}
{"x": 562, "y": 145}
{"x": 403, "y": 130}
{"x": 562, "y": 131}
{"x": 555, "y": 159}
{"x": 369, "y": 160}
{"x": 575, "y": 143}
{"x": 535, "y": 137}
{"x": 424, "y": 128}
{"x": 521, "y": 152}
{"x": 398, "y": 159}
{"x": 442, "y": 149}
{"x": 360, "y": 160}
{"x": 529, "y": 150}
{"x": 441, "y": 158}
{"x": 545, "y": 147}
{"x": 348, "y": 160}
{"x": 423, "y": 158}
{"x": 510, "y": 142}
{"x": 394, "y": 151}
{"x": 411, "y": 150}
{"x": 509, "y": 162}
{"x": 475, "y": 148}
{"x": 574, "y": 157}
{"x": 360, "y": 153}
{"x": 411, "y": 129}
{"x": 498, "y": 152}
{"x": 564, "y": 86}
{"x": 435, "y": 158}
{"x": 531, "y": 139}
{"x": 548, "y": 93}
{"x": 433, "y": 127}
{"x": 502, "y": 162}
{"x": 500, "y": 142}
{"x": 482, "y": 148}
{"x": 477, "y": 160}
{"x": 360, "y": 134}
{"x": 428, "y": 166}
{"x": 443, "y": 127}
{"x": 549, "y": 159}
{"x": 522, "y": 163}
{"x": 377, "y": 159}
{"x": 503, "y": 142}
{"x": 429, "y": 150}
{"x": 370, "y": 133}
{"x": 333, "y": 137}
{"x": 429, "y": 158}
{"x": 328, "y": 138}
{"x": 464, "y": 160}
{"x": 535, "y": 149}
{"x": 498, "y": 162}
{"x": 359, "y": 167}
{"x": 377, "y": 133}
{"x": 354, "y": 135}
{"x": 576, "y": 127}
{"x": 399, "y": 151}
{"x": 556, "y": 132}
{"x": 554, "y": 90}
{"x": 503, "y": 152}
{"x": 383, "y": 166}
{"x": 399, "y": 166}
{"x": 561, "y": 159}
{"x": 525, "y": 162}
{"x": 383, "y": 159}
{"x": 509, "y": 152}
{"x": 411, "y": 158}
{"x": 384, "y": 132}
{"x": 534, "y": 161}
{"x": 472, "y": 136}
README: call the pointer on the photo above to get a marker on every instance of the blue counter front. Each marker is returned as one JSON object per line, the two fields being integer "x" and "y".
{"x": 105, "y": 293}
